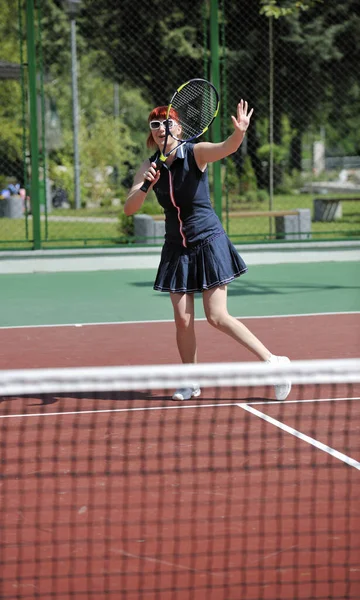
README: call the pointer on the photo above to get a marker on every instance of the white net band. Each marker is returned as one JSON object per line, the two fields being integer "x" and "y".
{"x": 29, "y": 381}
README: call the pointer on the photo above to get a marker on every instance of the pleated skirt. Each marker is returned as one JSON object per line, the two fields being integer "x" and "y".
{"x": 210, "y": 264}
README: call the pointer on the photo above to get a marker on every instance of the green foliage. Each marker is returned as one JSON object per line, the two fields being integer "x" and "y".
{"x": 55, "y": 40}
{"x": 62, "y": 176}
{"x": 279, "y": 153}
{"x": 150, "y": 207}
{"x": 183, "y": 39}
{"x": 175, "y": 37}
{"x": 10, "y": 91}
{"x": 270, "y": 8}
{"x": 285, "y": 186}
{"x": 262, "y": 196}
{"x": 248, "y": 181}
{"x": 10, "y": 118}
{"x": 250, "y": 197}
{"x": 230, "y": 176}
{"x": 285, "y": 134}
{"x": 107, "y": 143}
{"x": 10, "y": 46}
{"x": 342, "y": 131}
{"x": 291, "y": 182}
{"x": 3, "y": 181}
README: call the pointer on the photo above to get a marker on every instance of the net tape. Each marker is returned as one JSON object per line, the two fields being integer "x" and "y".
{"x": 28, "y": 381}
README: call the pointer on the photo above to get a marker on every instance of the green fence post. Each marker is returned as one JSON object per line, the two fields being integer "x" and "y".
{"x": 215, "y": 77}
{"x": 34, "y": 145}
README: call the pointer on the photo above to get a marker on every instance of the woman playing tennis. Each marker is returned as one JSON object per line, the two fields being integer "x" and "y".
{"x": 197, "y": 255}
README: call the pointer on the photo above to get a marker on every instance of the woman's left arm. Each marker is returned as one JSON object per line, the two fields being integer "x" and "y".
{"x": 207, "y": 152}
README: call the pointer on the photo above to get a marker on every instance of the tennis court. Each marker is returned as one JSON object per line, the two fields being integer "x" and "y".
{"x": 111, "y": 490}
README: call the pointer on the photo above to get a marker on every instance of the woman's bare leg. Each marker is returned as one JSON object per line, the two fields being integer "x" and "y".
{"x": 183, "y": 305}
{"x": 215, "y": 306}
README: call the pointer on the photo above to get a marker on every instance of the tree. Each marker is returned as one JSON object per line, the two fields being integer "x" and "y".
{"x": 146, "y": 48}
{"x": 11, "y": 129}
{"x": 316, "y": 53}
{"x": 323, "y": 47}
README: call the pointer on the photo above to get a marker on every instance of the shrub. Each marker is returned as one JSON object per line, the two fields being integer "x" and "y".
{"x": 126, "y": 224}
{"x": 230, "y": 177}
{"x": 290, "y": 182}
{"x": 248, "y": 182}
{"x": 251, "y": 197}
{"x": 262, "y": 196}
{"x": 279, "y": 153}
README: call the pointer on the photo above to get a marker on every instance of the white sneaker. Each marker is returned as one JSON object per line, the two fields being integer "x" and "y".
{"x": 282, "y": 390}
{"x": 186, "y": 393}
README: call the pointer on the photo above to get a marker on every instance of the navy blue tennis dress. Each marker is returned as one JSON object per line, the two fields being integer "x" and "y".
{"x": 197, "y": 254}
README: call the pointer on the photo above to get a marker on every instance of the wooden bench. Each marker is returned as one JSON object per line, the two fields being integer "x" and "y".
{"x": 330, "y": 209}
{"x": 292, "y": 224}
{"x": 260, "y": 213}
{"x": 246, "y": 214}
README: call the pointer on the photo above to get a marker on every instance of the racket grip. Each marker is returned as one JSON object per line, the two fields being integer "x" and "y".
{"x": 145, "y": 186}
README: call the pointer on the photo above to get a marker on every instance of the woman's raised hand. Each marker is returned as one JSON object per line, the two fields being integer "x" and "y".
{"x": 242, "y": 120}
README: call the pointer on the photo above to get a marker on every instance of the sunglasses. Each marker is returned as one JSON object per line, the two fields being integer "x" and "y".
{"x": 157, "y": 124}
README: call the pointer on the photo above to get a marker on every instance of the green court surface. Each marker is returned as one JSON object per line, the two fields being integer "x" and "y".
{"x": 127, "y": 295}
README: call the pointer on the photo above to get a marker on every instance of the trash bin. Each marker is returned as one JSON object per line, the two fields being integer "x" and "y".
{"x": 13, "y": 207}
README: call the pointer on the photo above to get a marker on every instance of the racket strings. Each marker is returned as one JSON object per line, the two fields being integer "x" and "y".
{"x": 196, "y": 104}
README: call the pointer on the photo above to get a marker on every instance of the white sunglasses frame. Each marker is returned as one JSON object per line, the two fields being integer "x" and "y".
{"x": 162, "y": 123}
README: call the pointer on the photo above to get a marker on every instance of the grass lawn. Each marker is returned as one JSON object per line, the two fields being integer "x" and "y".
{"x": 252, "y": 229}
{"x": 17, "y": 233}
{"x": 58, "y": 234}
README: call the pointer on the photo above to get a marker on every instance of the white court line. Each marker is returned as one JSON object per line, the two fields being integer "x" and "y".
{"x": 305, "y": 438}
{"x": 266, "y": 402}
{"x": 116, "y": 410}
{"x": 175, "y": 406}
{"x": 243, "y": 318}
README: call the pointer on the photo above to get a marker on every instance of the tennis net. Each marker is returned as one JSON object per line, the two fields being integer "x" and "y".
{"x": 110, "y": 490}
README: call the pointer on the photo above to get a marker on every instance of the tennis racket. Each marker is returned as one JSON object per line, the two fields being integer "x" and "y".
{"x": 197, "y": 103}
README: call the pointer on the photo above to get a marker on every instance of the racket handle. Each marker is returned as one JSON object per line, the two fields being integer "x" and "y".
{"x": 145, "y": 186}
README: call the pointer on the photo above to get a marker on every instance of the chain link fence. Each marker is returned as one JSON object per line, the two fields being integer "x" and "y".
{"x": 78, "y": 79}
{"x": 301, "y": 152}
{"x": 13, "y": 127}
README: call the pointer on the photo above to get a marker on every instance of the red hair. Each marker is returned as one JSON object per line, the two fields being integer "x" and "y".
{"x": 160, "y": 113}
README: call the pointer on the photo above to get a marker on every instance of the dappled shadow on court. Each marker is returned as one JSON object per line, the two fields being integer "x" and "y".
{"x": 142, "y": 284}
{"x": 283, "y": 287}
{"x": 240, "y": 287}
{"x": 25, "y": 404}
{"x": 49, "y": 399}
